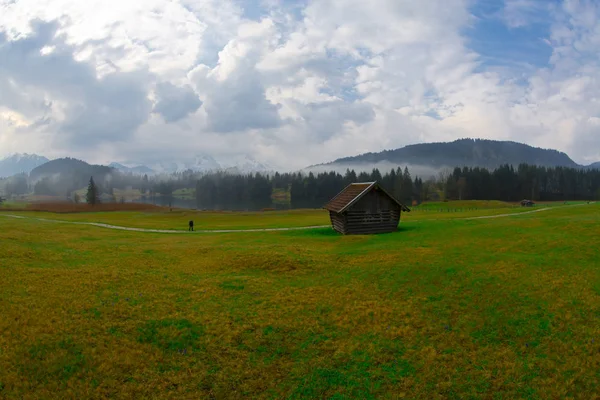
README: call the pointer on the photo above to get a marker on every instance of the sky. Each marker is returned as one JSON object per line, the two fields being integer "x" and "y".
{"x": 292, "y": 83}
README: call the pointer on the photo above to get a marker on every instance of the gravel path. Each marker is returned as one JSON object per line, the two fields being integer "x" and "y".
{"x": 124, "y": 228}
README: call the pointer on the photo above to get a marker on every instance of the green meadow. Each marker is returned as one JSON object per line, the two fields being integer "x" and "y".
{"x": 177, "y": 219}
{"x": 445, "y": 308}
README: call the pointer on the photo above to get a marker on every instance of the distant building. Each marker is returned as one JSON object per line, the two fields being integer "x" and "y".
{"x": 527, "y": 203}
{"x": 364, "y": 208}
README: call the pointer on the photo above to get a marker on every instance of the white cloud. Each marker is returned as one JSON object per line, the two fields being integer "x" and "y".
{"x": 521, "y": 13}
{"x": 160, "y": 79}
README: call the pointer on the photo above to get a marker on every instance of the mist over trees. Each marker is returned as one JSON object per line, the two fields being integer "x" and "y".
{"x": 17, "y": 184}
{"x": 506, "y": 183}
{"x": 227, "y": 191}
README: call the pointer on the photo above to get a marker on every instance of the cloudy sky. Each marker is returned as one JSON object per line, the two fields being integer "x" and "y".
{"x": 295, "y": 82}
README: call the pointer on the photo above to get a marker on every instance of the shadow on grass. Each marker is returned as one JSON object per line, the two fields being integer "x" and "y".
{"x": 407, "y": 228}
{"x": 330, "y": 232}
{"x": 313, "y": 233}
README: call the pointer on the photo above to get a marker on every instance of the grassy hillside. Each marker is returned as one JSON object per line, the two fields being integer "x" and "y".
{"x": 498, "y": 308}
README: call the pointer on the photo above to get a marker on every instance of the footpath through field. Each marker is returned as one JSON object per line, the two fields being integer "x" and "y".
{"x": 510, "y": 214}
{"x": 299, "y": 228}
{"x": 125, "y": 228}
{"x": 523, "y": 213}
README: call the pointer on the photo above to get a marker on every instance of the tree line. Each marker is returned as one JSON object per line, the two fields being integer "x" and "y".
{"x": 531, "y": 182}
{"x": 506, "y": 183}
{"x": 301, "y": 190}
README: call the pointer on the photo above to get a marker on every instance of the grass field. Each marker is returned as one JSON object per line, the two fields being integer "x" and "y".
{"x": 13, "y": 205}
{"x": 502, "y": 308}
{"x": 178, "y": 218}
{"x": 153, "y": 217}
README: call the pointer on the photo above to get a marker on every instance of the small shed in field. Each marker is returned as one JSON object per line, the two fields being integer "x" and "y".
{"x": 363, "y": 208}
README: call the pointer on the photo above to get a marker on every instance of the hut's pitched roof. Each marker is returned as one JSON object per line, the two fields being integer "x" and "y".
{"x": 352, "y": 193}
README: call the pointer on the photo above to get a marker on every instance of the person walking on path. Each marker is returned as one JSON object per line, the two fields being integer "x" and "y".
{"x": 191, "y": 226}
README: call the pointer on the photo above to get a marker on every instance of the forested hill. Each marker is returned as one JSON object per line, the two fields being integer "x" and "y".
{"x": 465, "y": 152}
{"x": 594, "y": 166}
{"x": 69, "y": 166}
{"x": 64, "y": 175}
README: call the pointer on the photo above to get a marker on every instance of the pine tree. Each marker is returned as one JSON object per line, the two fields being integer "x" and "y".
{"x": 350, "y": 177}
{"x": 376, "y": 176}
{"x": 397, "y": 184}
{"x": 407, "y": 187}
{"x": 92, "y": 193}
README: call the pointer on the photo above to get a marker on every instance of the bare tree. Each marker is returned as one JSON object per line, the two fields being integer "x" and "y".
{"x": 443, "y": 176}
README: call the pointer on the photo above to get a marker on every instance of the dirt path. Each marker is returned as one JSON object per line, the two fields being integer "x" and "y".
{"x": 508, "y": 215}
{"x": 124, "y": 228}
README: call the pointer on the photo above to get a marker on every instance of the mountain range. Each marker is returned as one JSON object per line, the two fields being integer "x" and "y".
{"x": 199, "y": 163}
{"x": 432, "y": 156}
{"x": 138, "y": 170}
{"x": 463, "y": 152}
{"x": 20, "y": 163}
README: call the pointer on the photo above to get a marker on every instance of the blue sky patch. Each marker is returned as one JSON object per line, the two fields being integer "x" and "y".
{"x": 519, "y": 47}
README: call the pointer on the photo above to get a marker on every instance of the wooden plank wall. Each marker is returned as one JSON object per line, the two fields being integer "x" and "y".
{"x": 361, "y": 222}
{"x": 338, "y": 221}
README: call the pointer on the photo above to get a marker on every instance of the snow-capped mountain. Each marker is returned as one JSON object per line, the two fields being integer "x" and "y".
{"x": 18, "y": 163}
{"x": 200, "y": 163}
{"x": 243, "y": 164}
{"x": 137, "y": 170}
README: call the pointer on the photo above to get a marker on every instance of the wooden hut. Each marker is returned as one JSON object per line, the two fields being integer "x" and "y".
{"x": 363, "y": 208}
